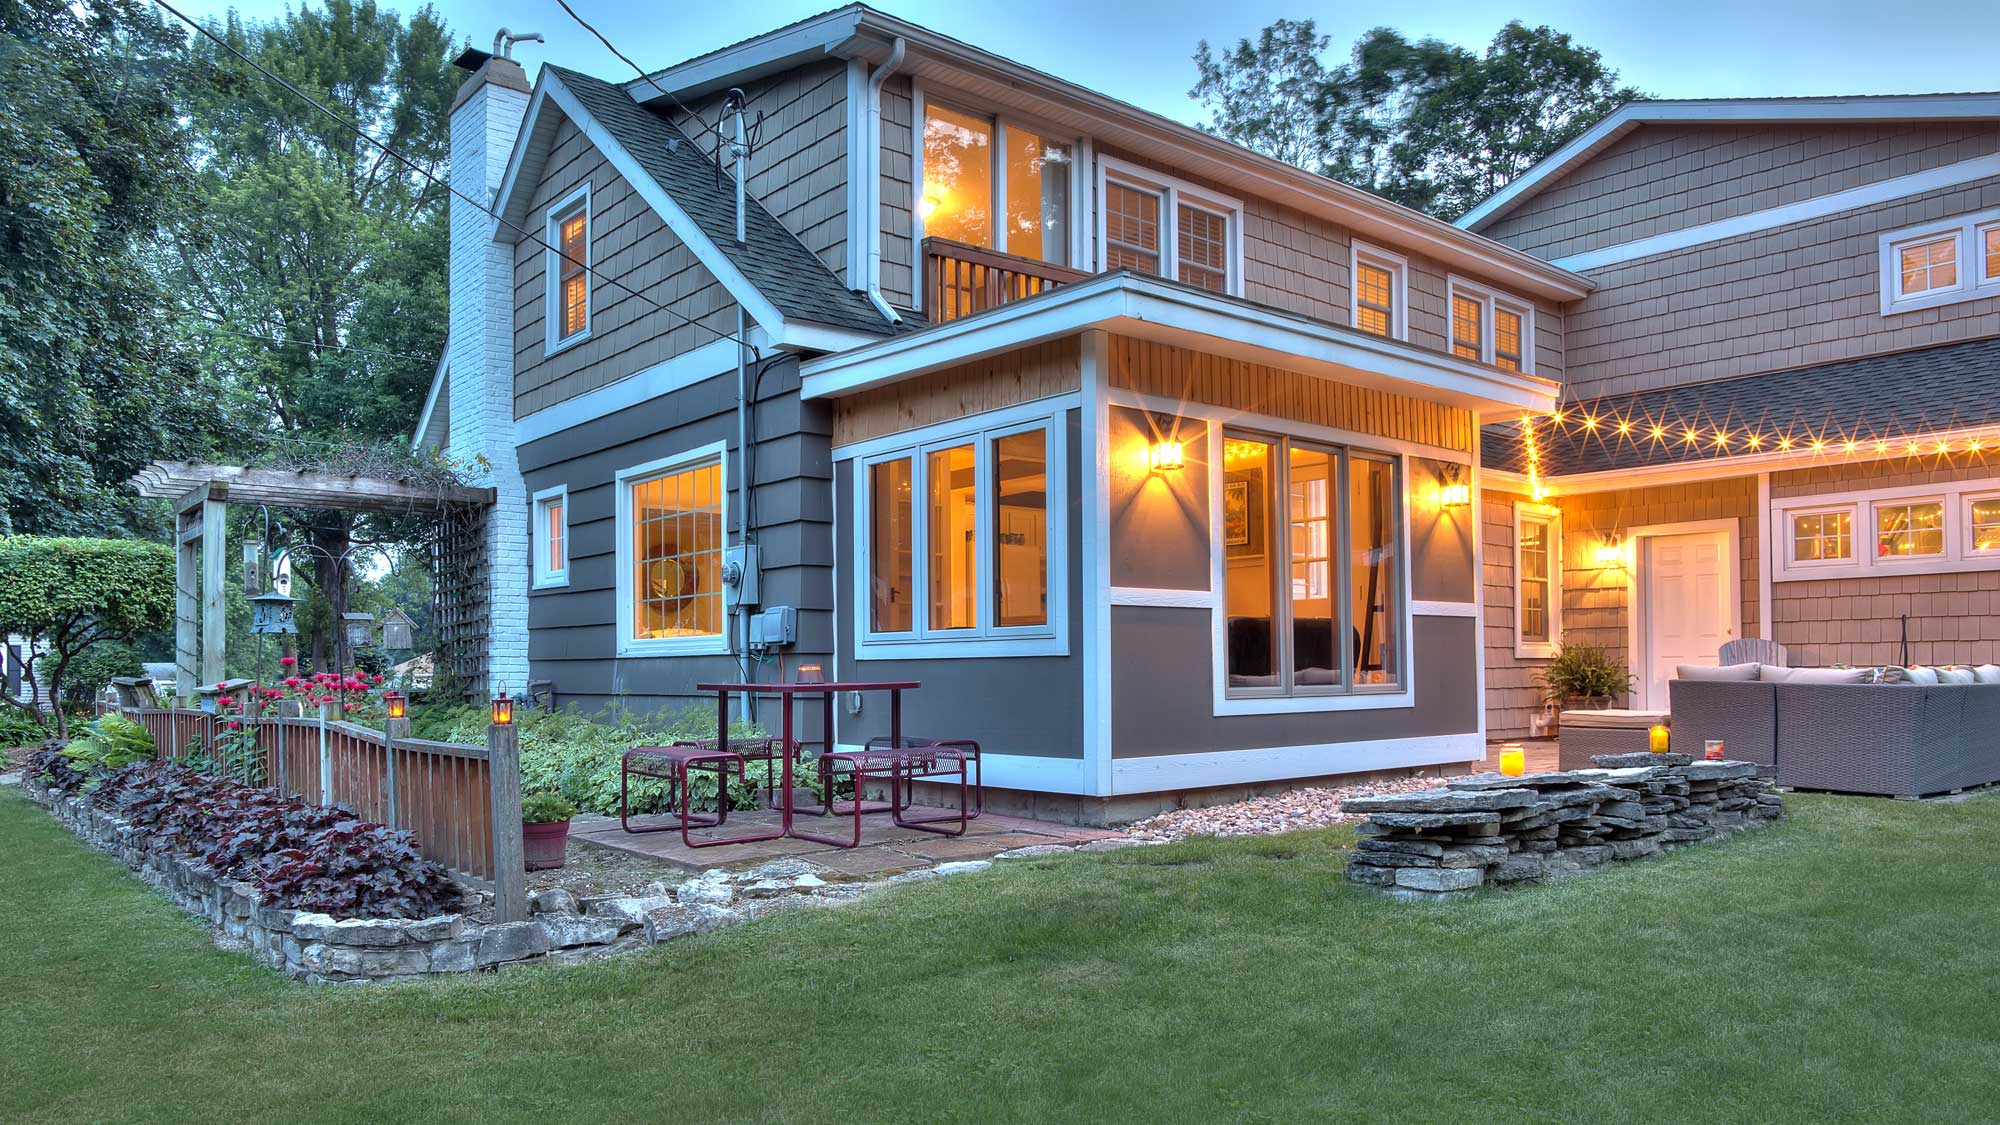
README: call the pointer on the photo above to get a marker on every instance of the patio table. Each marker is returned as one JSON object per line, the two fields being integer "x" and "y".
{"x": 827, "y": 693}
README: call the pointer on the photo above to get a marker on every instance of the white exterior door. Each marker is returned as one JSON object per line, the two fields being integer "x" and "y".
{"x": 1685, "y": 581}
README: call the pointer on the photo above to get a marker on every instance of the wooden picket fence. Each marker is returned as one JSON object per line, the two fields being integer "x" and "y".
{"x": 441, "y": 792}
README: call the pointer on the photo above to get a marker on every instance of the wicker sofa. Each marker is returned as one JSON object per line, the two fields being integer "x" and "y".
{"x": 1899, "y": 740}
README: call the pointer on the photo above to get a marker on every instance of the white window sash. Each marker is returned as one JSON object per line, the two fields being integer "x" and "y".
{"x": 553, "y": 218}
{"x": 546, "y": 576}
{"x": 1489, "y": 300}
{"x": 1967, "y": 233}
{"x": 1079, "y": 148}
{"x": 1552, "y": 541}
{"x": 1957, "y": 556}
{"x": 1399, "y": 286}
{"x": 1173, "y": 194}
{"x": 625, "y": 481}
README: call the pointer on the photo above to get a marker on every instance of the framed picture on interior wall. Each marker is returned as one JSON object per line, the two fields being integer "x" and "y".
{"x": 1243, "y": 514}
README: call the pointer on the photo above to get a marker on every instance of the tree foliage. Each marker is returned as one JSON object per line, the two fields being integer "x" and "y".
{"x": 94, "y": 379}
{"x": 68, "y": 596}
{"x": 1426, "y": 123}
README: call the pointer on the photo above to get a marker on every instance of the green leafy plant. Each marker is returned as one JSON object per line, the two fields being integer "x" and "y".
{"x": 108, "y": 743}
{"x": 1581, "y": 671}
{"x": 546, "y": 808}
{"x": 67, "y": 596}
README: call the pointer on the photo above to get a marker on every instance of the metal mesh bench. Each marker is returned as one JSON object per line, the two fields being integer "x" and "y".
{"x": 899, "y": 765}
{"x": 673, "y": 764}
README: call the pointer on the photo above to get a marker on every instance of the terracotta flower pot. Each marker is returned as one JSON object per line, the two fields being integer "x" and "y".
{"x": 543, "y": 845}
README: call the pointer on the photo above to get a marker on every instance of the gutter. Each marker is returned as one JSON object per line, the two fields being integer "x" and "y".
{"x": 871, "y": 208}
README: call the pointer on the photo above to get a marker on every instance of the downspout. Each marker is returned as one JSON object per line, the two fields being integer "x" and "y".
{"x": 871, "y": 192}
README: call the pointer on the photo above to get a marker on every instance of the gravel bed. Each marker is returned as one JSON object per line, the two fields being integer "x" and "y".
{"x": 1264, "y": 816}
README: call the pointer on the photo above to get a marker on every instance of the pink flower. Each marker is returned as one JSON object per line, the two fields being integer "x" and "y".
{"x": 235, "y": 726}
{"x": 288, "y": 662}
{"x": 219, "y": 687}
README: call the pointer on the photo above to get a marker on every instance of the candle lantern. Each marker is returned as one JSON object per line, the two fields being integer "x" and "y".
{"x": 396, "y": 704}
{"x": 503, "y": 710}
{"x": 1513, "y": 763}
{"x": 1712, "y": 750}
{"x": 1657, "y": 739}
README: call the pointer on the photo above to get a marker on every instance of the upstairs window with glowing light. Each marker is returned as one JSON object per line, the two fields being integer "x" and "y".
{"x": 970, "y": 160}
{"x": 1990, "y": 254}
{"x": 1490, "y": 327}
{"x": 1823, "y": 536}
{"x": 1468, "y": 327}
{"x": 1911, "y": 530}
{"x": 1157, "y": 225}
{"x": 1131, "y": 228}
{"x": 568, "y": 267}
{"x": 1379, "y": 293}
{"x": 1928, "y": 266}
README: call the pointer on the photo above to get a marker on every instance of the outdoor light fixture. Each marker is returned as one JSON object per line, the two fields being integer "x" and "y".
{"x": 926, "y": 206}
{"x": 1167, "y": 456}
{"x": 396, "y": 703}
{"x": 503, "y": 710}
{"x": 811, "y": 674}
{"x": 1610, "y": 553}
{"x": 1454, "y": 493}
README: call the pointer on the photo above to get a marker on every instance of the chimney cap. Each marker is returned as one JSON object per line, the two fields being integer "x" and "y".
{"x": 472, "y": 59}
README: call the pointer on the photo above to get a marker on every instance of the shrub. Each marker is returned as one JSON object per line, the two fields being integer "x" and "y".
{"x": 109, "y": 742}
{"x": 55, "y": 770}
{"x": 546, "y": 808}
{"x": 68, "y": 595}
{"x": 1580, "y": 671}
{"x": 18, "y": 728}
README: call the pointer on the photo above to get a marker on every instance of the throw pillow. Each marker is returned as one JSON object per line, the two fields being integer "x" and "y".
{"x": 1918, "y": 674}
{"x": 1986, "y": 674}
{"x": 1733, "y": 672}
{"x": 1824, "y": 675}
{"x": 1955, "y": 676}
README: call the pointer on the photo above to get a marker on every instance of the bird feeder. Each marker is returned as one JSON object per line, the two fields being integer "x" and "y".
{"x": 358, "y": 628}
{"x": 398, "y": 631}
{"x": 273, "y": 613}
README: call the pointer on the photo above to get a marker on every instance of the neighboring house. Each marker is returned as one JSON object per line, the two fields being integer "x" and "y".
{"x": 1157, "y": 461}
{"x": 1782, "y": 396}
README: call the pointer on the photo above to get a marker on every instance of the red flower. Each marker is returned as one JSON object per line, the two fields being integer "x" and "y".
{"x": 219, "y": 687}
{"x": 288, "y": 662}
{"x": 292, "y": 681}
{"x": 235, "y": 726}
{"x": 226, "y": 701}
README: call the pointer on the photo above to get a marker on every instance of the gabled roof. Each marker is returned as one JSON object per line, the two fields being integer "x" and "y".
{"x": 860, "y": 32}
{"x": 784, "y": 287}
{"x": 1859, "y": 108}
{"x": 1894, "y": 398}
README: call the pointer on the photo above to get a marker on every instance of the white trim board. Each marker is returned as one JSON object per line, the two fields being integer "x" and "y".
{"x": 1166, "y": 772}
{"x": 1224, "y": 415}
{"x": 1161, "y": 599}
{"x": 439, "y": 380}
{"x": 685, "y": 370}
{"x": 998, "y": 416}
{"x": 1955, "y": 500}
{"x": 1423, "y": 608}
{"x": 1805, "y": 210}
{"x": 628, "y": 646}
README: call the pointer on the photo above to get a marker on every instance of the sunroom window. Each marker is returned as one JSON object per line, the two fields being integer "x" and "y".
{"x": 1311, "y": 550}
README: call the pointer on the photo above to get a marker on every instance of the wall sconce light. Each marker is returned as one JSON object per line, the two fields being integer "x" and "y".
{"x": 1167, "y": 456}
{"x": 503, "y": 710}
{"x": 1610, "y": 552}
{"x": 1454, "y": 493}
{"x": 396, "y": 703}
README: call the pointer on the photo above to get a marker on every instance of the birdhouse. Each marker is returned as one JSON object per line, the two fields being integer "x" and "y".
{"x": 273, "y": 613}
{"x": 398, "y": 631}
{"x": 358, "y": 628}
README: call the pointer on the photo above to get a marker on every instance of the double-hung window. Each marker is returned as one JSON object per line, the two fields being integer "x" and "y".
{"x": 1150, "y": 223}
{"x": 1381, "y": 291}
{"x": 672, "y": 529}
{"x": 1941, "y": 263}
{"x": 549, "y": 537}
{"x": 568, "y": 268}
{"x": 1537, "y": 581}
{"x": 1491, "y": 327}
{"x": 960, "y": 541}
{"x": 1311, "y": 560}
{"x": 991, "y": 182}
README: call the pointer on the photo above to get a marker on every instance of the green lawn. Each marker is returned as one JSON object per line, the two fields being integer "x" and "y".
{"x": 1841, "y": 965}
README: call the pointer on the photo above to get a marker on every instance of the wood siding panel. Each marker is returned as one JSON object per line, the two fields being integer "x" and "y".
{"x": 1177, "y": 373}
{"x": 1663, "y": 178}
{"x": 899, "y": 193}
{"x": 632, "y": 252}
{"x": 1512, "y": 698}
{"x": 1046, "y": 369}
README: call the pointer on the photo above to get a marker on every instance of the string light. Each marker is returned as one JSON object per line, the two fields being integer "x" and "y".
{"x": 1624, "y": 427}
{"x": 1754, "y": 440}
{"x": 1590, "y": 422}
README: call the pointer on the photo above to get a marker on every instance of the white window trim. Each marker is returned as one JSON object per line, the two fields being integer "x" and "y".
{"x": 1791, "y": 537}
{"x": 1399, "y": 286}
{"x": 1539, "y": 650}
{"x": 985, "y": 639}
{"x": 1958, "y": 556}
{"x": 1350, "y": 697}
{"x": 1489, "y": 300}
{"x": 1173, "y": 194}
{"x": 1897, "y": 564}
{"x": 553, "y": 341}
{"x": 545, "y": 576}
{"x": 1079, "y": 179}
{"x": 624, "y": 481}
{"x": 1973, "y": 281}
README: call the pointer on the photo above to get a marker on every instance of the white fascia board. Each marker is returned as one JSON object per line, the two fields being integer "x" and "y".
{"x": 806, "y": 336}
{"x": 758, "y": 306}
{"x": 1137, "y": 306}
{"x": 438, "y": 379}
{"x": 1742, "y": 111}
{"x": 523, "y": 145}
{"x": 773, "y": 51}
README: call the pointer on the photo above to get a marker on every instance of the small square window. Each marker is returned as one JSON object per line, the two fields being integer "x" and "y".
{"x": 1929, "y": 266}
{"x": 1823, "y": 536}
{"x": 1986, "y": 524}
{"x": 1990, "y": 240}
{"x": 1909, "y": 530}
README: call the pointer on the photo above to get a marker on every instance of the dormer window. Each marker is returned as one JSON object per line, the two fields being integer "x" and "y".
{"x": 568, "y": 267}
{"x": 1156, "y": 224}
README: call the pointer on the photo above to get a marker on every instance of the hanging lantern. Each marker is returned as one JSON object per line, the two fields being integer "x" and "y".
{"x": 398, "y": 631}
{"x": 273, "y": 613}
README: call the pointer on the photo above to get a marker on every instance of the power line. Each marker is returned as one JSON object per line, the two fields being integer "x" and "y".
{"x": 225, "y": 328}
{"x": 426, "y": 173}
{"x": 715, "y": 130}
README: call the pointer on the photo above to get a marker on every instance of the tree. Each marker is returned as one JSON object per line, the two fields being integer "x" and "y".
{"x": 68, "y": 597}
{"x": 318, "y": 263}
{"x": 94, "y": 379}
{"x": 1426, "y": 123}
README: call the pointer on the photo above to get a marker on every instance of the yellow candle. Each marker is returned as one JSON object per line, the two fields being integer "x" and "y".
{"x": 1656, "y": 739}
{"x": 1513, "y": 763}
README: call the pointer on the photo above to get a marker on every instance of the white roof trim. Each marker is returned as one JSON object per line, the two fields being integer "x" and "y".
{"x": 438, "y": 378}
{"x": 1746, "y": 111}
{"x": 1149, "y": 308}
{"x": 859, "y": 31}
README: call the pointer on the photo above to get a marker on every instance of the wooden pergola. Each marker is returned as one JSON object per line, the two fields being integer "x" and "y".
{"x": 202, "y": 494}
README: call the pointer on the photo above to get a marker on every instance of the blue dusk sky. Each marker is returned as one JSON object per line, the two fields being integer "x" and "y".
{"x": 1140, "y": 50}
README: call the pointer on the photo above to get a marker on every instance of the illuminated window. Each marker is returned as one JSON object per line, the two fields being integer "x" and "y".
{"x": 1158, "y": 225}
{"x": 1909, "y": 530}
{"x": 962, "y": 177}
{"x": 1131, "y": 229}
{"x": 1378, "y": 292}
{"x": 1468, "y": 327}
{"x": 891, "y": 534}
{"x": 1924, "y": 267}
{"x": 1312, "y": 571}
{"x": 1509, "y": 339}
{"x": 672, "y": 529}
{"x": 1940, "y": 263}
{"x": 1537, "y": 581}
{"x": 1823, "y": 536}
{"x": 1204, "y": 248}
{"x": 551, "y": 537}
{"x": 958, "y": 176}
{"x": 953, "y": 518}
{"x": 1490, "y": 327}
{"x": 1021, "y": 529}
{"x": 568, "y": 263}
{"x": 1990, "y": 237}
{"x": 1986, "y": 524}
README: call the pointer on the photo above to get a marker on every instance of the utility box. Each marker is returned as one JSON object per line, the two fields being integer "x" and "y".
{"x": 776, "y": 626}
{"x": 739, "y": 576}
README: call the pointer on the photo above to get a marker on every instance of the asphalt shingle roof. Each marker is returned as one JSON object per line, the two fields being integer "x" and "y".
{"x": 1900, "y": 396}
{"x": 773, "y": 259}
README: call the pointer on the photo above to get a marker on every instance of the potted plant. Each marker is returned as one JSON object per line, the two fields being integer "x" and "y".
{"x": 545, "y": 830}
{"x": 1582, "y": 677}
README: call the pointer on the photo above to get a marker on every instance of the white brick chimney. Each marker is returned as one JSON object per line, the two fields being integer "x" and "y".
{"x": 485, "y": 118}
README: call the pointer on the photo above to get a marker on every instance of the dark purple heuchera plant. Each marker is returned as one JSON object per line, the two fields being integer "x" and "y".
{"x": 303, "y": 857}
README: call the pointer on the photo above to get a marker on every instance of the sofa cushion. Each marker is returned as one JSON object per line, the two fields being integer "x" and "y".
{"x": 1612, "y": 719}
{"x": 1918, "y": 674}
{"x": 1956, "y": 676}
{"x": 1986, "y": 674}
{"x": 1733, "y": 672}
{"x": 1775, "y": 675}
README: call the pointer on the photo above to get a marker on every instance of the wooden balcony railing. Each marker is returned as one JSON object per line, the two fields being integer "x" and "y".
{"x": 960, "y": 280}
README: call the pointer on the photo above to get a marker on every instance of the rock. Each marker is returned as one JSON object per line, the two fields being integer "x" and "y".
{"x": 1625, "y": 810}
{"x": 914, "y": 876}
{"x": 1438, "y": 879}
{"x": 555, "y": 900}
{"x": 1516, "y": 868}
{"x": 1442, "y": 801}
{"x": 1408, "y": 847}
{"x": 776, "y": 869}
{"x": 1634, "y": 849}
{"x": 630, "y": 911}
{"x": 511, "y": 941}
{"x": 1719, "y": 771}
{"x": 327, "y": 959}
{"x": 963, "y": 867}
{"x": 350, "y": 931}
{"x": 1036, "y": 851}
{"x": 1642, "y": 758}
{"x": 1434, "y": 819}
{"x": 666, "y": 923}
{"x": 771, "y": 888}
{"x": 1111, "y": 844}
{"x": 568, "y": 930}
{"x": 1589, "y": 855}
{"x": 1473, "y": 855}
{"x": 1401, "y": 859}
{"x": 1370, "y": 876}
{"x": 461, "y": 956}
{"x": 712, "y": 891}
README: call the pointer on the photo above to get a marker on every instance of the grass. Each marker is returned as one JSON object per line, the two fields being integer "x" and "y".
{"x": 1840, "y": 965}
